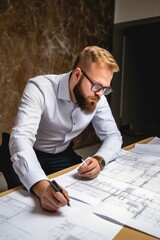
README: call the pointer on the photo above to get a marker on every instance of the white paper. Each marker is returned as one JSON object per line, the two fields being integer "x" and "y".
{"x": 151, "y": 148}
{"x": 146, "y": 221}
{"x": 21, "y": 217}
{"x": 155, "y": 140}
{"x": 127, "y": 190}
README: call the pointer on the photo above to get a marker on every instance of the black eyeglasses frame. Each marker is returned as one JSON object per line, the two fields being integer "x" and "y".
{"x": 96, "y": 87}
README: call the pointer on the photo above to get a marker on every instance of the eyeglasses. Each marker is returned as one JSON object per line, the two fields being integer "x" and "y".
{"x": 96, "y": 87}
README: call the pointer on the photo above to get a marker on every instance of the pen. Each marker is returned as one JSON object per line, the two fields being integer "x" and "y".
{"x": 57, "y": 188}
{"x": 83, "y": 161}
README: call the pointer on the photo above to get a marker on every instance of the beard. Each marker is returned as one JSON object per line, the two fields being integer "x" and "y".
{"x": 85, "y": 103}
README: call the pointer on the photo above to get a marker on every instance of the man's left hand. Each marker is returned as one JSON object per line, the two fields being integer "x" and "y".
{"x": 89, "y": 170}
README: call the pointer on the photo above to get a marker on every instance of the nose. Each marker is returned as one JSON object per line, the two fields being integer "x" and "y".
{"x": 99, "y": 93}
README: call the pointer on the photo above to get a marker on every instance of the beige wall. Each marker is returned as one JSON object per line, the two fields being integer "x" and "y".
{"x": 44, "y": 36}
{"x": 130, "y": 10}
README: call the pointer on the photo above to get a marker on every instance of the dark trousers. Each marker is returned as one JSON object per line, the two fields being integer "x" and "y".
{"x": 50, "y": 163}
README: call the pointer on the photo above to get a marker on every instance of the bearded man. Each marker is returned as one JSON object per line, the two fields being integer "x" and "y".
{"x": 54, "y": 110}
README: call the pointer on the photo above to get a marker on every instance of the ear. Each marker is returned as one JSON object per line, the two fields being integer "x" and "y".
{"x": 74, "y": 79}
{"x": 77, "y": 73}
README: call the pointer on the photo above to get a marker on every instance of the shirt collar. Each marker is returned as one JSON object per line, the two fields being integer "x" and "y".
{"x": 63, "y": 90}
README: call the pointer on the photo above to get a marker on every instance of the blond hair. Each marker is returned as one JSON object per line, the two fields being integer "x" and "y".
{"x": 96, "y": 54}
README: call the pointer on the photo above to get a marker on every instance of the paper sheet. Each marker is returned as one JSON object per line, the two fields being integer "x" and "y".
{"x": 151, "y": 148}
{"x": 127, "y": 190}
{"x": 21, "y": 217}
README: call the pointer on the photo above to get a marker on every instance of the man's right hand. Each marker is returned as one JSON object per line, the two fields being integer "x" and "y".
{"x": 50, "y": 199}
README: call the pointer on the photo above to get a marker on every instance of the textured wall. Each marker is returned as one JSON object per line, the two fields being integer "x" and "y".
{"x": 44, "y": 36}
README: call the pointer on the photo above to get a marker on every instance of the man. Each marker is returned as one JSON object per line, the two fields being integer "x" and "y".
{"x": 55, "y": 109}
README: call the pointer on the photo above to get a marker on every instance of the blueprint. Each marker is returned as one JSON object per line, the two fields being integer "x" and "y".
{"x": 127, "y": 190}
{"x": 21, "y": 218}
{"x": 151, "y": 148}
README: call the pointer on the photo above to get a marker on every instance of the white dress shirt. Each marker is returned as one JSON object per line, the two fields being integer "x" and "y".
{"x": 48, "y": 120}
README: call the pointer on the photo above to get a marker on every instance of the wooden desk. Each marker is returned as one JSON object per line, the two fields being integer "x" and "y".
{"x": 126, "y": 233}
